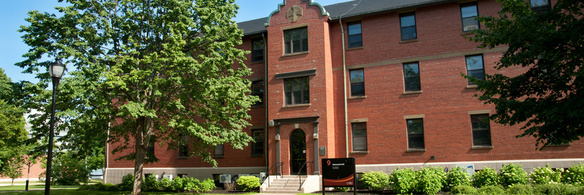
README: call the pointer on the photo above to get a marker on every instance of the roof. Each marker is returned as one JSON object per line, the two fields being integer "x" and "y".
{"x": 345, "y": 9}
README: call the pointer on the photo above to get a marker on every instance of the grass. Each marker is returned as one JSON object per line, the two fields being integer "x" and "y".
{"x": 32, "y": 187}
{"x": 86, "y": 192}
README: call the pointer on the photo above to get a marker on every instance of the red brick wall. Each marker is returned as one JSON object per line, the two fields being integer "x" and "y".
{"x": 444, "y": 101}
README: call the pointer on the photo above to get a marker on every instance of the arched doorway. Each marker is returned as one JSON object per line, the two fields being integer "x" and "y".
{"x": 297, "y": 152}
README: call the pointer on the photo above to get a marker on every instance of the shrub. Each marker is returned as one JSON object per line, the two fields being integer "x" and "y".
{"x": 110, "y": 187}
{"x": 342, "y": 189}
{"x": 463, "y": 189}
{"x": 85, "y": 187}
{"x": 150, "y": 183}
{"x": 544, "y": 175}
{"x": 165, "y": 184}
{"x": 485, "y": 177}
{"x": 430, "y": 180}
{"x": 229, "y": 186}
{"x": 207, "y": 185}
{"x": 520, "y": 189}
{"x": 127, "y": 182}
{"x": 403, "y": 181}
{"x": 574, "y": 175}
{"x": 492, "y": 190}
{"x": 556, "y": 189}
{"x": 512, "y": 174}
{"x": 248, "y": 183}
{"x": 375, "y": 180}
{"x": 177, "y": 184}
{"x": 191, "y": 184}
{"x": 456, "y": 177}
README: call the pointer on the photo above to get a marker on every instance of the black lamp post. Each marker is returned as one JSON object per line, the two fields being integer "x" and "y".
{"x": 56, "y": 70}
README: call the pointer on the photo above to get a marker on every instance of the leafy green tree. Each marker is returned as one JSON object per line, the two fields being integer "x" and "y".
{"x": 13, "y": 168}
{"x": 12, "y": 131}
{"x": 146, "y": 70}
{"x": 547, "y": 99}
{"x": 68, "y": 170}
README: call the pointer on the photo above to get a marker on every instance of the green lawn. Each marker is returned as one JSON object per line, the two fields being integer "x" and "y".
{"x": 31, "y": 187}
{"x": 71, "y": 190}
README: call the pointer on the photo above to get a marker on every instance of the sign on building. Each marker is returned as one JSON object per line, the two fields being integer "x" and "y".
{"x": 338, "y": 172}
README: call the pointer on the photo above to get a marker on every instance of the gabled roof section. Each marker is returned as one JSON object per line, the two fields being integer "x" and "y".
{"x": 345, "y": 9}
{"x": 253, "y": 26}
{"x": 366, "y": 7}
{"x": 311, "y": 2}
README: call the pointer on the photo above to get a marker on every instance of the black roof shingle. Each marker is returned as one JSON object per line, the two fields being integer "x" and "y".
{"x": 345, "y": 9}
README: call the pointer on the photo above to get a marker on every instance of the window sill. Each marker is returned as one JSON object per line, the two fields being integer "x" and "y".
{"x": 296, "y": 105}
{"x": 296, "y": 53}
{"x": 257, "y": 62}
{"x": 482, "y": 147}
{"x": 359, "y": 152}
{"x": 408, "y": 41}
{"x": 471, "y": 86}
{"x": 182, "y": 157}
{"x": 411, "y": 92}
{"x": 218, "y": 157}
{"x": 416, "y": 150}
{"x": 357, "y": 97}
{"x": 467, "y": 33}
{"x": 257, "y": 155}
{"x": 354, "y": 48}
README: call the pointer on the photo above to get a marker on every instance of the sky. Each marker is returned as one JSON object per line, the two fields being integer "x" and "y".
{"x": 14, "y": 12}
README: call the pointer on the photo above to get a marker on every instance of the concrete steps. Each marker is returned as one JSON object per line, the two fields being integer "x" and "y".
{"x": 286, "y": 184}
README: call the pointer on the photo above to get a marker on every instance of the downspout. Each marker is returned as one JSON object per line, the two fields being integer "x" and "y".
{"x": 345, "y": 88}
{"x": 107, "y": 144}
{"x": 266, "y": 124}
{"x": 345, "y": 79}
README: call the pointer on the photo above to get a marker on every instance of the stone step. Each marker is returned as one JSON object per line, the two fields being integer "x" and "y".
{"x": 285, "y": 185}
{"x": 274, "y": 191}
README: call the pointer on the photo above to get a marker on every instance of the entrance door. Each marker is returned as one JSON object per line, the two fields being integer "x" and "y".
{"x": 297, "y": 152}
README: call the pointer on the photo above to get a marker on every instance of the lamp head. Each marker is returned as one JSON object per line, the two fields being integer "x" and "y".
{"x": 57, "y": 69}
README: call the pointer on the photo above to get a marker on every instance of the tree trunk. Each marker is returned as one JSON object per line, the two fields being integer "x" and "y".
{"x": 140, "y": 154}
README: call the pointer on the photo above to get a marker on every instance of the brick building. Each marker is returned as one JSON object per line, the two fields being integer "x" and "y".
{"x": 376, "y": 80}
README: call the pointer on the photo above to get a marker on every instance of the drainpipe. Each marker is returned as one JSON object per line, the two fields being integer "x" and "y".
{"x": 345, "y": 88}
{"x": 345, "y": 79}
{"x": 266, "y": 125}
{"x": 107, "y": 144}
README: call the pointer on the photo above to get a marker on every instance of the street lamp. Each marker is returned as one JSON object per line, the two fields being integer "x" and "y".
{"x": 56, "y": 70}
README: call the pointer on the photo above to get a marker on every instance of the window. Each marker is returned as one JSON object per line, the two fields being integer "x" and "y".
{"x": 475, "y": 68}
{"x": 481, "y": 130}
{"x": 257, "y": 50}
{"x": 257, "y": 148}
{"x": 257, "y": 89}
{"x": 540, "y": 6}
{"x": 359, "y": 136}
{"x": 354, "y": 31}
{"x": 183, "y": 147}
{"x": 412, "y": 77}
{"x": 469, "y": 14}
{"x": 296, "y": 40}
{"x": 415, "y": 133}
{"x": 408, "y": 26}
{"x": 357, "y": 82}
{"x": 218, "y": 152}
{"x": 296, "y": 91}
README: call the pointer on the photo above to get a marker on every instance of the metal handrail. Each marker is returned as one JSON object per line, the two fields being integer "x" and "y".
{"x": 300, "y": 177}
{"x": 278, "y": 167}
